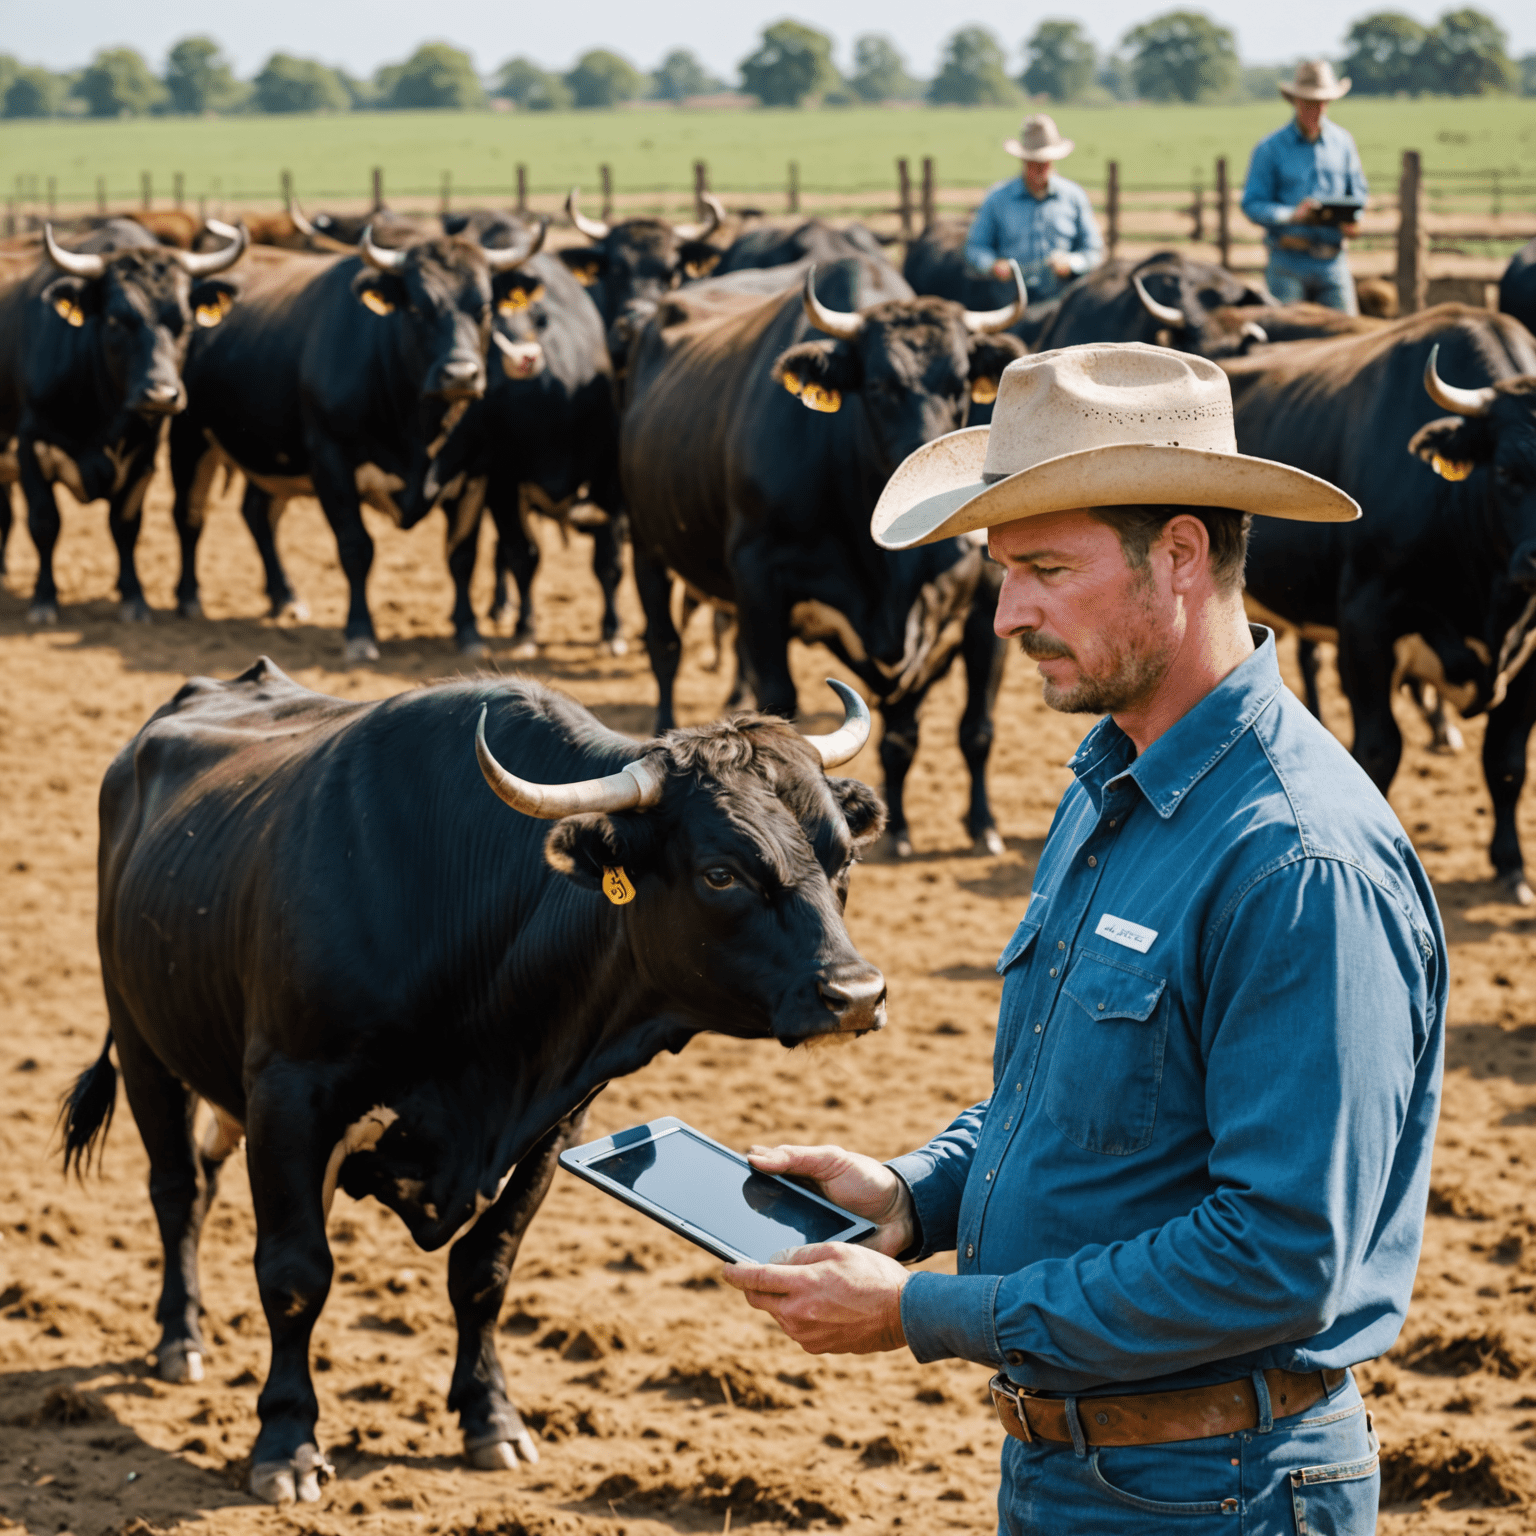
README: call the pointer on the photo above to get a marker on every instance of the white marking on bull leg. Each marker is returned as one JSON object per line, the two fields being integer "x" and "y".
{"x": 1522, "y": 633}
{"x": 812, "y": 621}
{"x": 361, "y": 1136}
{"x": 377, "y": 488}
{"x": 220, "y": 1133}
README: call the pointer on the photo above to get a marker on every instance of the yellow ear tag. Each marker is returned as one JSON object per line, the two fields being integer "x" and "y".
{"x": 616, "y": 886}
{"x": 210, "y": 314}
{"x": 793, "y": 383}
{"x": 817, "y": 397}
{"x": 374, "y": 300}
{"x": 983, "y": 391}
{"x": 68, "y": 310}
{"x": 586, "y": 276}
{"x": 519, "y": 299}
{"x": 1452, "y": 469}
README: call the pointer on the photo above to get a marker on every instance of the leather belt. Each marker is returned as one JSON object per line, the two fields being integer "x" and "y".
{"x": 1321, "y": 249}
{"x": 1157, "y": 1418}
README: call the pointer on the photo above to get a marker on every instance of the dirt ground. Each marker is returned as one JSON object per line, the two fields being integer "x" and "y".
{"x": 662, "y": 1403}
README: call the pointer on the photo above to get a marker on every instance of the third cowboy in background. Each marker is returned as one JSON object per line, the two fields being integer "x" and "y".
{"x": 1040, "y": 220}
{"x": 1300, "y": 182}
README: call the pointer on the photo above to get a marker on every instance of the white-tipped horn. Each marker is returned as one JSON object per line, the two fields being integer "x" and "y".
{"x": 636, "y": 786}
{"x": 849, "y": 738}
{"x": 833, "y": 321}
{"x": 983, "y": 322}
{"x": 702, "y": 231}
{"x": 1464, "y": 402}
{"x": 206, "y": 263}
{"x": 1255, "y": 332}
{"x": 76, "y": 263}
{"x": 300, "y": 221}
{"x": 593, "y": 229}
{"x": 1165, "y": 314}
{"x": 377, "y": 255}
{"x": 504, "y": 258}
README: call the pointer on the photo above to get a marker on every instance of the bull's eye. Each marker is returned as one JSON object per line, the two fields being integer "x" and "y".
{"x": 719, "y": 878}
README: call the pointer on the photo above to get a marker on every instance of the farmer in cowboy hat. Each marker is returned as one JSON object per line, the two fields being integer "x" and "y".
{"x": 1040, "y": 220}
{"x": 1195, "y": 1197}
{"x": 1294, "y": 174}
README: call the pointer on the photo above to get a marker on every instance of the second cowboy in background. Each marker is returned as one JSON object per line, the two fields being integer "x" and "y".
{"x": 1296, "y": 171}
{"x": 1040, "y": 220}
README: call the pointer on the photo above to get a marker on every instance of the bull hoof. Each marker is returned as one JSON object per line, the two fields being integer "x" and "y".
{"x": 361, "y": 648}
{"x": 470, "y": 645}
{"x": 189, "y": 608}
{"x": 1517, "y": 888}
{"x": 43, "y": 613}
{"x": 180, "y": 1363}
{"x": 502, "y": 1455}
{"x": 525, "y": 650}
{"x": 990, "y": 842}
{"x": 617, "y": 646}
{"x": 901, "y": 845}
{"x": 293, "y": 611}
{"x": 296, "y": 1480}
{"x": 134, "y": 611}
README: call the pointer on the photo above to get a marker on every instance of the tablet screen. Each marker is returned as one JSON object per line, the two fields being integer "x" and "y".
{"x": 745, "y": 1209}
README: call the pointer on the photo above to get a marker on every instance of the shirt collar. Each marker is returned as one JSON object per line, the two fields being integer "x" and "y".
{"x": 1301, "y": 138}
{"x": 1185, "y": 753}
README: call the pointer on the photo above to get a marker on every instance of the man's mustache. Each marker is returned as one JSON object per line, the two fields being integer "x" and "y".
{"x": 1042, "y": 647}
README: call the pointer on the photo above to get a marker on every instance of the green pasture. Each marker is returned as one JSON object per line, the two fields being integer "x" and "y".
{"x": 240, "y": 158}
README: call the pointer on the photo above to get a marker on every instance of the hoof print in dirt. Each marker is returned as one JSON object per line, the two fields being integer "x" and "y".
{"x": 296, "y": 1480}
{"x": 179, "y": 1363}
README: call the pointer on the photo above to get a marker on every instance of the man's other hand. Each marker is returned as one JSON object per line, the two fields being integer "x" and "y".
{"x": 1061, "y": 264}
{"x": 830, "y": 1298}
{"x": 1001, "y": 270}
{"x": 1306, "y": 211}
{"x": 857, "y": 1183}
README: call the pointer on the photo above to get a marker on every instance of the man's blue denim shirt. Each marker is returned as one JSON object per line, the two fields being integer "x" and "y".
{"x": 1216, "y": 1076}
{"x": 1014, "y": 223}
{"x": 1287, "y": 168}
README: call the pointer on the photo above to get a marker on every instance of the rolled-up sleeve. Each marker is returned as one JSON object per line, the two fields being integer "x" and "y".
{"x": 1261, "y": 191}
{"x": 1087, "y": 243}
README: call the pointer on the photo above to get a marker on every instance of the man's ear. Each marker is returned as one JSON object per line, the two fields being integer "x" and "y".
{"x": 587, "y": 267}
{"x": 989, "y": 356}
{"x": 820, "y": 373}
{"x": 698, "y": 258}
{"x": 70, "y": 298}
{"x": 1455, "y": 445}
{"x": 862, "y": 808}
{"x": 379, "y": 292}
{"x": 211, "y": 299}
{"x": 582, "y": 847}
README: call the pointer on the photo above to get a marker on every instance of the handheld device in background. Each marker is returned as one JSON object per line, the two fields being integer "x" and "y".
{"x": 1339, "y": 212}
{"x": 709, "y": 1194}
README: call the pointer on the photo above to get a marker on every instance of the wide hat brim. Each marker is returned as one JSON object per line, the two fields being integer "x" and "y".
{"x": 1312, "y": 93}
{"x": 1057, "y": 151}
{"x": 939, "y": 492}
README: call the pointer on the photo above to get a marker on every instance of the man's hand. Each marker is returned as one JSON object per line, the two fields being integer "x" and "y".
{"x": 1061, "y": 264}
{"x": 853, "y": 1181}
{"x": 830, "y": 1298}
{"x": 1001, "y": 270}
{"x": 1306, "y": 211}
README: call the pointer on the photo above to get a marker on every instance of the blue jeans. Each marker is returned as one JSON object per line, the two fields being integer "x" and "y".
{"x": 1316, "y": 1474}
{"x": 1295, "y": 278}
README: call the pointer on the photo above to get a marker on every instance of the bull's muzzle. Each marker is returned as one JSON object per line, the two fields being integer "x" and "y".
{"x": 856, "y": 995}
{"x": 164, "y": 397}
{"x": 459, "y": 378}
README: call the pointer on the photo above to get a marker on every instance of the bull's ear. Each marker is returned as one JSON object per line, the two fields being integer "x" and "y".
{"x": 587, "y": 267}
{"x": 820, "y": 373}
{"x": 698, "y": 258}
{"x": 862, "y": 808}
{"x": 989, "y": 356}
{"x": 583, "y": 848}
{"x": 211, "y": 299}
{"x": 70, "y": 298}
{"x": 1455, "y": 445}
{"x": 514, "y": 291}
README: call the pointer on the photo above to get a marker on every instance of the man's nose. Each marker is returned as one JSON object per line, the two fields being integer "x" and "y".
{"x": 1016, "y": 611}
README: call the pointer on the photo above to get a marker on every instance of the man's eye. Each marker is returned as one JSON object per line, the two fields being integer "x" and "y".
{"x": 719, "y": 878}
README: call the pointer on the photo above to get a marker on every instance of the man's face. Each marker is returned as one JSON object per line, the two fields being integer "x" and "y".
{"x": 1102, "y": 633}
{"x": 1309, "y": 117}
{"x": 1037, "y": 177}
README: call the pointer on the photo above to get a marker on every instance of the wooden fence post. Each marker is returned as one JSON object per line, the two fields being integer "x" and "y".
{"x": 144, "y": 188}
{"x": 700, "y": 187}
{"x": 904, "y": 197}
{"x": 286, "y": 178}
{"x": 1197, "y": 213}
{"x": 445, "y": 197}
{"x": 1223, "y": 212}
{"x": 1112, "y": 206}
{"x": 10, "y": 216}
{"x": 53, "y": 195}
{"x": 522, "y": 189}
{"x": 378, "y": 188}
{"x": 794, "y": 186}
{"x": 929, "y": 193}
{"x": 178, "y": 188}
{"x": 605, "y": 175}
{"x": 202, "y": 208}
{"x": 1412, "y": 237}
{"x": 101, "y": 194}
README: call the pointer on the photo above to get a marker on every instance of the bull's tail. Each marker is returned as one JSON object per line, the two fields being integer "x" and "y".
{"x": 86, "y": 1112}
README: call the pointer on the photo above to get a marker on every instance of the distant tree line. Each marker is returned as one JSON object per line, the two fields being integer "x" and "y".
{"x": 1178, "y": 56}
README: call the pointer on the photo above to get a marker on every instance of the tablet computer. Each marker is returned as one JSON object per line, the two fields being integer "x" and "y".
{"x": 1339, "y": 212}
{"x": 709, "y": 1194}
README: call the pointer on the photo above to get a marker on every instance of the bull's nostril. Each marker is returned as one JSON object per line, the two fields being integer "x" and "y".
{"x": 845, "y": 993}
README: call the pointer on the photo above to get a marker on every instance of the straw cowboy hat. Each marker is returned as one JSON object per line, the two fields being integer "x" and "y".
{"x": 1315, "y": 81}
{"x": 1107, "y": 425}
{"x": 1039, "y": 139}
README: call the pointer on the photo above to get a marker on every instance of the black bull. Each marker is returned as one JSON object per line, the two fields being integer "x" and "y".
{"x": 91, "y": 349}
{"x": 315, "y": 916}
{"x": 1446, "y": 548}
{"x": 758, "y": 501}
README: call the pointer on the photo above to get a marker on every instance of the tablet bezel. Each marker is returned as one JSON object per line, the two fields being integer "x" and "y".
{"x": 577, "y": 1160}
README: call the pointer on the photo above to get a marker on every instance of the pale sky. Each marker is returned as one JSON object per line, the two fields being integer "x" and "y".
{"x": 363, "y": 36}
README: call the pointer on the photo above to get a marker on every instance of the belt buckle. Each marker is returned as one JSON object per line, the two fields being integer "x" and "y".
{"x": 1003, "y": 1391}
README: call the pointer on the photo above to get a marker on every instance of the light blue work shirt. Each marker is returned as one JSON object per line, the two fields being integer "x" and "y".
{"x": 1286, "y": 169}
{"x": 1012, "y": 223}
{"x": 1216, "y": 1075}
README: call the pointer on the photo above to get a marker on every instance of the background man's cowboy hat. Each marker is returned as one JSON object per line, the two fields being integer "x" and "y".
{"x": 1108, "y": 425}
{"x": 1039, "y": 139}
{"x": 1315, "y": 81}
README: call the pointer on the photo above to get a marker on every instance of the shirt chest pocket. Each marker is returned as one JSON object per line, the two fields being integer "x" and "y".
{"x": 1107, "y": 1064}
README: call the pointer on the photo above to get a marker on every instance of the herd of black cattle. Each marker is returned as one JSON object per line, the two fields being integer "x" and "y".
{"x": 313, "y": 917}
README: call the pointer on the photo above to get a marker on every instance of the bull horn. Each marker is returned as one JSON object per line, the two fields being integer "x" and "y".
{"x": 1464, "y": 402}
{"x": 849, "y": 738}
{"x": 1165, "y": 314}
{"x": 834, "y": 322}
{"x": 636, "y": 786}
{"x": 1255, "y": 333}
{"x": 983, "y": 322}
{"x": 76, "y": 263}
{"x": 504, "y": 259}
{"x": 703, "y": 230}
{"x": 206, "y": 263}
{"x": 593, "y": 229}
{"x": 377, "y": 255}
{"x": 300, "y": 222}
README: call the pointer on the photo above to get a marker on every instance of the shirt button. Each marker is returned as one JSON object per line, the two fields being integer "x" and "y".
{"x": 1015, "y": 1357}
{"x": 1018, "y": 1087}
{"x": 1053, "y": 970}
{"x": 970, "y": 1251}
{"x": 1111, "y": 821}
{"x": 1101, "y": 1007}
{"x": 1061, "y": 943}
{"x": 1093, "y": 863}
{"x": 1007, "y": 1122}
{"x": 989, "y": 1176}
{"x": 1038, "y": 1028}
